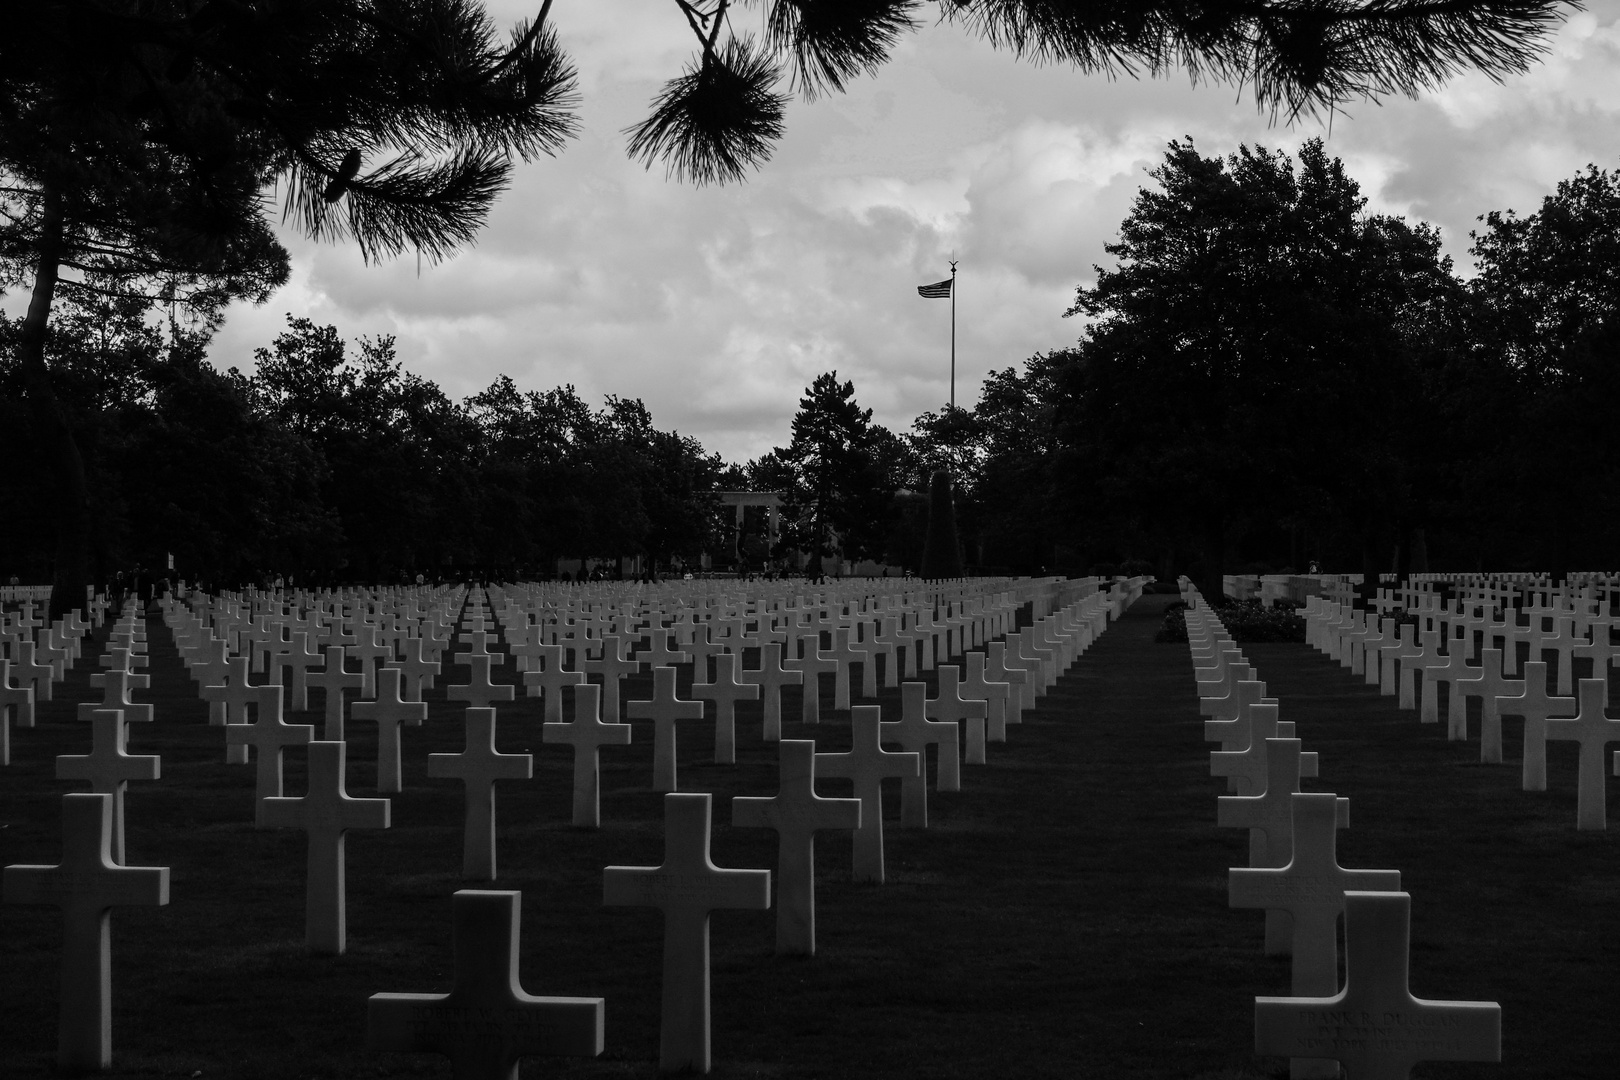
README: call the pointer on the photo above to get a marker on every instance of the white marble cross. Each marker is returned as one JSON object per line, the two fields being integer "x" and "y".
{"x": 1374, "y": 1027}
{"x": 951, "y": 707}
{"x": 1412, "y": 677}
{"x": 770, "y": 678}
{"x": 486, "y": 1023}
{"x": 85, "y": 885}
{"x": 662, "y": 653}
{"x": 478, "y": 691}
{"x": 1269, "y": 817}
{"x": 614, "y": 663}
{"x": 1490, "y": 686}
{"x": 587, "y": 734}
{"x": 419, "y": 670}
{"x": 664, "y": 710}
{"x": 333, "y": 680}
{"x": 993, "y": 692}
{"x": 551, "y": 679}
{"x": 299, "y": 658}
{"x": 1449, "y": 669}
{"x": 1309, "y": 886}
{"x": 867, "y": 650}
{"x": 687, "y": 886}
{"x": 390, "y": 710}
{"x": 269, "y": 735}
{"x": 1021, "y": 679}
{"x": 478, "y": 645}
{"x": 1602, "y": 652}
{"x": 1561, "y": 641}
{"x": 811, "y": 665}
{"x": 1464, "y": 685}
{"x": 1537, "y": 707}
{"x": 371, "y": 652}
{"x": 845, "y": 654}
{"x": 1230, "y": 727}
{"x": 20, "y": 698}
{"x": 1593, "y": 731}
{"x": 1248, "y": 765}
{"x": 109, "y": 767}
{"x": 907, "y": 642}
{"x": 115, "y": 689}
{"x": 797, "y": 813}
{"x": 1397, "y": 673}
{"x": 868, "y": 764}
{"x": 699, "y": 649}
{"x": 228, "y": 701}
{"x": 478, "y": 766}
{"x": 1044, "y": 658}
{"x": 914, "y": 731}
{"x": 1269, "y": 813}
{"x": 725, "y": 691}
{"x": 325, "y": 814}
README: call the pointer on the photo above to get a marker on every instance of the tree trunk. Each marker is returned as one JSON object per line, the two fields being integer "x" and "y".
{"x": 1404, "y": 566}
{"x": 69, "y": 504}
{"x": 942, "y": 550}
{"x": 1214, "y": 586}
{"x": 1370, "y": 563}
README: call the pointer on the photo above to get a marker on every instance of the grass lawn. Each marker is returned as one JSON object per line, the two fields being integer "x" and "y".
{"x": 1064, "y": 915}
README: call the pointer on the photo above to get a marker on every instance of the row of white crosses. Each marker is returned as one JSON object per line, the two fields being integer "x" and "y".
{"x": 92, "y": 877}
{"x": 1372, "y": 1026}
{"x": 35, "y": 680}
{"x": 1471, "y": 626}
{"x": 315, "y": 645}
{"x": 1031, "y": 650}
{"x": 34, "y": 657}
{"x": 486, "y": 1023}
{"x": 900, "y": 626}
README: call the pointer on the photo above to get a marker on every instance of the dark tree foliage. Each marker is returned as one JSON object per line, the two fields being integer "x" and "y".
{"x": 1250, "y": 301}
{"x": 836, "y": 475}
{"x": 332, "y": 464}
{"x": 1003, "y": 456}
{"x": 1548, "y": 330}
{"x": 177, "y": 457}
{"x": 1270, "y": 376}
{"x": 138, "y": 137}
{"x": 942, "y": 553}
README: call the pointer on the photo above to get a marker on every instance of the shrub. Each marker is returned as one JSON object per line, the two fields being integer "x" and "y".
{"x": 1103, "y": 570}
{"x": 1174, "y": 627}
{"x": 1246, "y": 620}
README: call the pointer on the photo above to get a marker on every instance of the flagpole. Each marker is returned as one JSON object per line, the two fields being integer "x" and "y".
{"x": 953, "y": 335}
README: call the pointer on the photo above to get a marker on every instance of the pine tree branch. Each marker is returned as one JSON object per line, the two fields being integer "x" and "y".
{"x": 716, "y": 119}
{"x": 528, "y": 40}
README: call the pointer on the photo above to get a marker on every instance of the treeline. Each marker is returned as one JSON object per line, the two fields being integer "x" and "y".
{"x": 336, "y": 466}
{"x": 1268, "y": 379}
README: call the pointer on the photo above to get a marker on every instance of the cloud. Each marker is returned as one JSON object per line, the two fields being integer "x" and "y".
{"x": 717, "y": 306}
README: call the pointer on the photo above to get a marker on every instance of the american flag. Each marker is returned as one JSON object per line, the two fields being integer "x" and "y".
{"x": 939, "y": 290}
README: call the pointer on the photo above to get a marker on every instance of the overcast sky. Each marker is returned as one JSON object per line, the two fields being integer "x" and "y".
{"x": 717, "y": 306}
